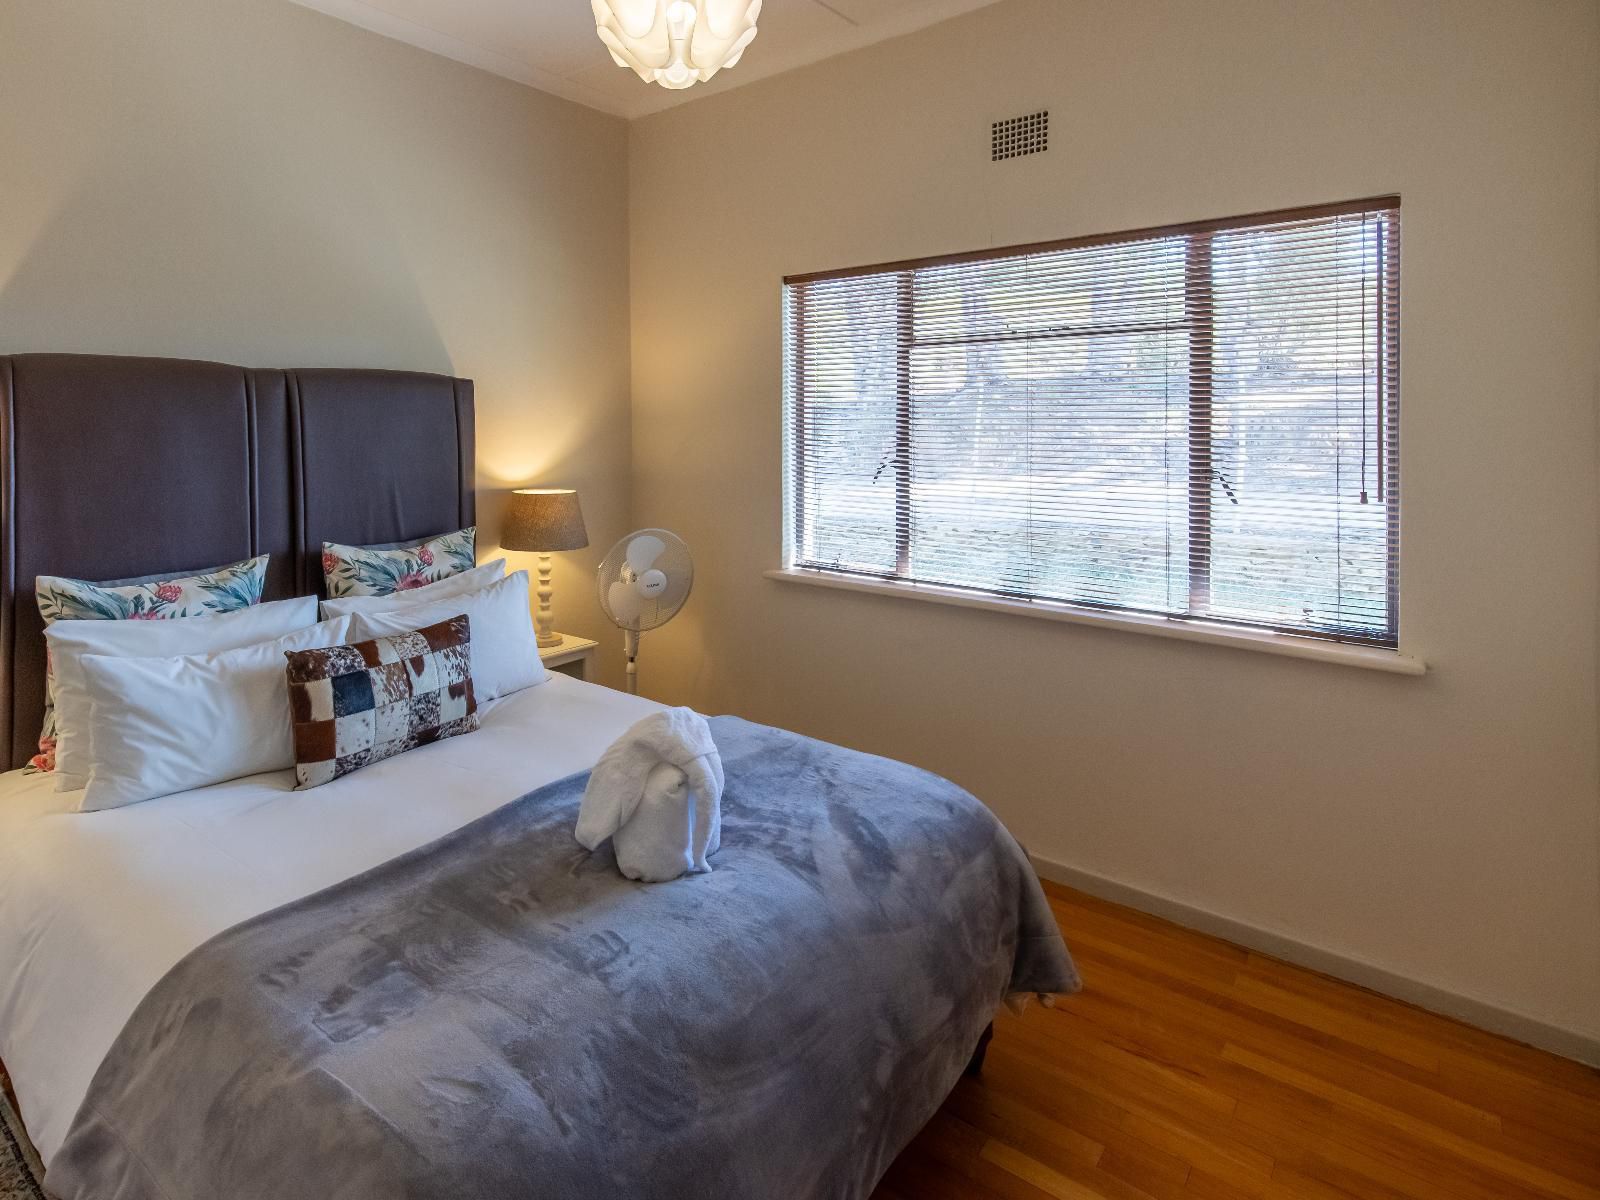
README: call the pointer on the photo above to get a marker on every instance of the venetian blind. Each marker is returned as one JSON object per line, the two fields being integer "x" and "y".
{"x": 1198, "y": 422}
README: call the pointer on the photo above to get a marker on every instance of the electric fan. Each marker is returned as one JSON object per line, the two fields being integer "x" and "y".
{"x": 644, "y": 580}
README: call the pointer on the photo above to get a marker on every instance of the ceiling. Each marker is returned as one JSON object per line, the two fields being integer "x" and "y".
{"x": 551, "y": 44}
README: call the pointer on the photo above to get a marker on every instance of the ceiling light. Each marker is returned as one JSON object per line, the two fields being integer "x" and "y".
{"x": 676, "y": 43}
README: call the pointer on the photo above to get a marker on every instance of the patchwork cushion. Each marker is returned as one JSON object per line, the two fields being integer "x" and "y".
{"x": 151, "y": 598}
{"x": 359, "y": 704}
{"x": 383, "y": 570}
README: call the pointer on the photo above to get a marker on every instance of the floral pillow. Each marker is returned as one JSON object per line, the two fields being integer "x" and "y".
{"x": 157, "y": 598}
{"x": 383, "y": 570}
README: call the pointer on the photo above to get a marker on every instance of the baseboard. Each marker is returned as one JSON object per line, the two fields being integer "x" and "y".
{"x": 1478, "y": 1013}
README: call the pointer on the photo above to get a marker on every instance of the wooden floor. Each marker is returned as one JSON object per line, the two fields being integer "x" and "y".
{"x": 1190, "y": 1068}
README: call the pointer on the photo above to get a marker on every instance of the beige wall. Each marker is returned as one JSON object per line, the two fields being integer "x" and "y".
{"x": 250, "y": 181}
{"x": 1443, "y": 829}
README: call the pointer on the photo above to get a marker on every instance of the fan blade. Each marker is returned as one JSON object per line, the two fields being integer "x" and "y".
{"x": 625, "y": 603}
{"x": 643, "y": 551}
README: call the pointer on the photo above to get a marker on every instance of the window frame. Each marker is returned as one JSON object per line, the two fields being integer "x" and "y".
{"x": 1198, "y": 323}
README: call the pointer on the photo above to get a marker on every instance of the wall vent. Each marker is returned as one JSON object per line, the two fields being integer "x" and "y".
{"x": 1017, "y": 136}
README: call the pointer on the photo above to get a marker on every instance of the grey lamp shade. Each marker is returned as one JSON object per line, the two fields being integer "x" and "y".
{"x": 544, "y": 520}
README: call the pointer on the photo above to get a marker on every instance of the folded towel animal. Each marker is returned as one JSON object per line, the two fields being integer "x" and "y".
{"x": 657, "y": 794}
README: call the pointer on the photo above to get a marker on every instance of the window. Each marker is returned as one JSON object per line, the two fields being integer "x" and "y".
{"x": 1198, "y": 422}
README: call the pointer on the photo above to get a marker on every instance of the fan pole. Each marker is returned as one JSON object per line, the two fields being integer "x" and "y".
{"x": 630, "y": 646}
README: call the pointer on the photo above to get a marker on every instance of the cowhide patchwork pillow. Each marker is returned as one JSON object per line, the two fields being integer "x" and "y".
{"x": 359, "y": 704}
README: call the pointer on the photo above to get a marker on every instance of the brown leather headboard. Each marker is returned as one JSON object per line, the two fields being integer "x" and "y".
{"x": 117, "y": 467}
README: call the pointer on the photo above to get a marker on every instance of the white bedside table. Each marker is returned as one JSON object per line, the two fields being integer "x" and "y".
{"x": 574, "y": 656}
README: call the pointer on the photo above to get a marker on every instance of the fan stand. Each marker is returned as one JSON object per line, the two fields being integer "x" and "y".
{"x": 630, "y": 647}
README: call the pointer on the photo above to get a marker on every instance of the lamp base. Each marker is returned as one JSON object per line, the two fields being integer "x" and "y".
{"x": 543, "y": 619}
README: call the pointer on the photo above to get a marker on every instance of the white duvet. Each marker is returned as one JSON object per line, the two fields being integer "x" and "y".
{"x": 96, "y": 907}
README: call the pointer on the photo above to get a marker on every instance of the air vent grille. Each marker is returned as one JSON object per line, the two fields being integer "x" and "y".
{"x": 1017, "y": 136}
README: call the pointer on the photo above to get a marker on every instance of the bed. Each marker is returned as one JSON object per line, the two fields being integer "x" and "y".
{"x": 783, "y": 1030}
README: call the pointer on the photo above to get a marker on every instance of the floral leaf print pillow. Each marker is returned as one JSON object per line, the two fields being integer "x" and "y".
{"x": 157, "y": 598}
{"x": 384, "y": 570}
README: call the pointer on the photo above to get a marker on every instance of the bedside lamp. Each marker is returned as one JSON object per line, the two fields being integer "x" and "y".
{"x": 544, "y": 520}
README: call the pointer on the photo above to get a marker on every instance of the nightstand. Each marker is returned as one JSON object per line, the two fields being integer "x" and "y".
{"x": 574, "y": 656}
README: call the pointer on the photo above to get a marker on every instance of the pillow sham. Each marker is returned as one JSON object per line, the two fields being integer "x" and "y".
{"x": 150, "y": 598}
{"x": 505, "y": 654}
{"x": 164, "y": 725}
{"x": 380, "y": 570}
{"x": 69, "y": 641}
{"x": 453, "y": 585}
{"x": 351, "y": 706}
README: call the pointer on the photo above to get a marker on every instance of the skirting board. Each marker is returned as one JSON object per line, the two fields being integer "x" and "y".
{"x": 1424, "y": 995}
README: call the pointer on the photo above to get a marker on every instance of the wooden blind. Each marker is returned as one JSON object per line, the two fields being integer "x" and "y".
{"x": 1198, "y": 421}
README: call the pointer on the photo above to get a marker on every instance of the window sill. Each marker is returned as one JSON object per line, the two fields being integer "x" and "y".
{"x": 1368, "y": 657}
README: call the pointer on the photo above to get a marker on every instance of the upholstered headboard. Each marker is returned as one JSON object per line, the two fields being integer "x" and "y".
{"x": 117, "y": 467}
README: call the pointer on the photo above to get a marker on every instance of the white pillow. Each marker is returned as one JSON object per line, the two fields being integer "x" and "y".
{"x": 505, "y": 655}
{"x": 454, "y": 585}
{"x": 164, "y": 725}
{"x": 69, "y": 641}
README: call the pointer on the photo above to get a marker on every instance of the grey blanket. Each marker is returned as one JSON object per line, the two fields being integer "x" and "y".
{"x": 500, "y": 1014}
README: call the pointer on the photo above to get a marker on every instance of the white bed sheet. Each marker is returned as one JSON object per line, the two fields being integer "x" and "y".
{"x": 95, "y": 908}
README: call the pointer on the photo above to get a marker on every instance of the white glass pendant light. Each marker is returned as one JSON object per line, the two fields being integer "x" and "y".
{"x": 676, "y": 43}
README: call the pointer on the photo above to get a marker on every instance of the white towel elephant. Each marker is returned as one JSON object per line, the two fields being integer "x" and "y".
{"x": 657, "y": 793}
